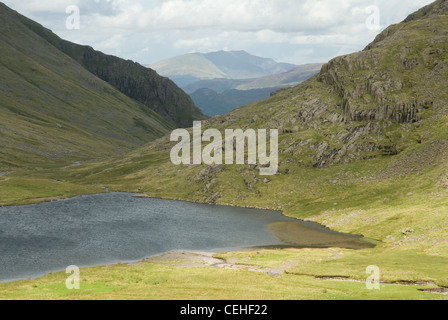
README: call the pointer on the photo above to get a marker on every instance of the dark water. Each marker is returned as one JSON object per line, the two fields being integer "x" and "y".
{"x": 108, "y": 228}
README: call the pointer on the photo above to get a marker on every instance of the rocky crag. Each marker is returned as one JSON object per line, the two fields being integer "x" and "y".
{"x": 367, "y": 103}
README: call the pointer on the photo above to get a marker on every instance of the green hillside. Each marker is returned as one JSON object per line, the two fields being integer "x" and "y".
{"x": 55, "y": 110}
{"x": 381, "y": 105}
{"x": 220, "y": 96}
{"x": 363, "y": 149}
{"x": 130, "y": 78}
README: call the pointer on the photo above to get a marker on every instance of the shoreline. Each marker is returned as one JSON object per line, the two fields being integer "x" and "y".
{"x": 151, "y": 258}
{"x": 138, "y": 195}
{"x": 292, "y": 233}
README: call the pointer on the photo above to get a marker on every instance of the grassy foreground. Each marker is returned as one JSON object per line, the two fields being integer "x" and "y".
{"x": 165, "y": 280}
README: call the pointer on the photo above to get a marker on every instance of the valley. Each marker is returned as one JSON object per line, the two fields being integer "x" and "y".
{"x": 362, "y": 150}
{"x": 219, "y": 82}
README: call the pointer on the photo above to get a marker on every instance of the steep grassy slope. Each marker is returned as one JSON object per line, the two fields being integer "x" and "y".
{"x": 53, "y": 109}
{"x": 132, "y": 79}
{"x": 386, "y": 104}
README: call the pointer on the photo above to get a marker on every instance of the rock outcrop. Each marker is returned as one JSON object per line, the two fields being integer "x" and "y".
{"x": 365, "y": 104}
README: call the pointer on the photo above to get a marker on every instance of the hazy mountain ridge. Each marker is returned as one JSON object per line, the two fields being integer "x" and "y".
{"x": 285, "y": 79}
{"x": 190, "y": 68}
{"x": 229, "y": 74}
{"x": 242, "y": 65}
{"x": 232, "y": 93}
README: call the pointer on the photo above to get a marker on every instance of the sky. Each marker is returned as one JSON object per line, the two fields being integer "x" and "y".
{"x": 293, "y": 31}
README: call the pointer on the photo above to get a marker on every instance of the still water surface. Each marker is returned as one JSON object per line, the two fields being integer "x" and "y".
{"x": 113, "y": 227}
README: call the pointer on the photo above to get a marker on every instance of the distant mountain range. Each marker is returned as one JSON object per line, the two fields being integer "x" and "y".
{"x": 219, "y": 82}
{"x": 286, "y": 79}
{"x": 220, "y": 96}
{"x": 189, "y": 68}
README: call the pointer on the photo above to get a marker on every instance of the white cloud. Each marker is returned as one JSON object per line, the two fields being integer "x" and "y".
{"x": 280, "y": 28}
{"x": 45, "y": 6}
